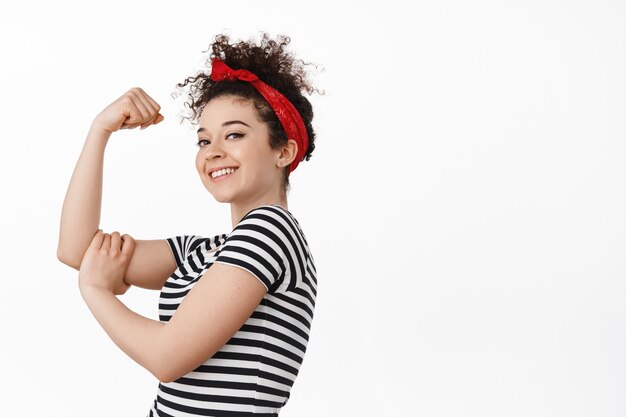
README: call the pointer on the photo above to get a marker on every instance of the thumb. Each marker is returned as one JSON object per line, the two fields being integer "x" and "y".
{"x": 159, "y": 119}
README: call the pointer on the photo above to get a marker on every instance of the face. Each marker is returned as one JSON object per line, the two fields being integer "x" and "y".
{"x": 235, "y": 160}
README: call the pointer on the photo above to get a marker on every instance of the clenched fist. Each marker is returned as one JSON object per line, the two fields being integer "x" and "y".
{"x": 134, "y": 108}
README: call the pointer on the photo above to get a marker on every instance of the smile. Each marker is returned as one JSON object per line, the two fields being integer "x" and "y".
{"x": 221, "y": 173}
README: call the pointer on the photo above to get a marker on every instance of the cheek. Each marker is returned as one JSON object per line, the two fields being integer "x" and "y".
{"x": 199, "y": 163}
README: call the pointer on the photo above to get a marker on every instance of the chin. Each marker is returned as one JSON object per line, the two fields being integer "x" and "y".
{"x": 219, "y": 197}
{"x": 222, "y": 200}
{"x": 222, "y": 197}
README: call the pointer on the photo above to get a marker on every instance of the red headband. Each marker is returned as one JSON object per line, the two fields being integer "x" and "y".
{"x": 287, "y": 114}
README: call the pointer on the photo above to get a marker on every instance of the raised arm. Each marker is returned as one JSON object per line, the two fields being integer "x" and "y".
{"x": 80, "y": 216}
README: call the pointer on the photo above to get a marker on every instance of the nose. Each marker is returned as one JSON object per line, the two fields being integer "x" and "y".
{"x": 214, "y": 151}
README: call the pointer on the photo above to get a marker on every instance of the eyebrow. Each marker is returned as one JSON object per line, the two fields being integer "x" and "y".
{"x": 228, "y": 123}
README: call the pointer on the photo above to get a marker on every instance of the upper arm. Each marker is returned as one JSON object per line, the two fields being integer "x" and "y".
{"x": 151, "y": 265}
{"x": 211, "y": 313}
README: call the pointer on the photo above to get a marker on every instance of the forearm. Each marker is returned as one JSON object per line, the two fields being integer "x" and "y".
{"x": 139, "y": 337}
{"x": 80, "y": 216}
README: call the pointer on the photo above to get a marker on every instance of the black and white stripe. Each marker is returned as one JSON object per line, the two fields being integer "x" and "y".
{"x": 252, "y": 374}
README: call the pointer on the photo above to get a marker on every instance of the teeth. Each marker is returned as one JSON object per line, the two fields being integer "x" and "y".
{"x": 221, "y": 172}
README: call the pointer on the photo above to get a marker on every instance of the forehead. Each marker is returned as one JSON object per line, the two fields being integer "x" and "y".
{"x": 225, "y": 108}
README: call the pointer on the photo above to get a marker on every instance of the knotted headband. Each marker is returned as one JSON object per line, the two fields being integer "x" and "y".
{"x": 289, "y": 117}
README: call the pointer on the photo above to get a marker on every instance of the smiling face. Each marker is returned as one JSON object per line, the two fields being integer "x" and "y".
{"x": 235, "y": 160}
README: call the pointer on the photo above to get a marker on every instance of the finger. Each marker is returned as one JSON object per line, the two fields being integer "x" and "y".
{"x": 132, "y": 113}
{"x": 153, "y": 107}
{"x": 149, "y": 113}
{"x": 116, "y": 242}
{"x": 140, "y": 102}
{"x": 128, "y": 246}
{"x": 159, "y": 118}
{"x": 135, "y": 115}
{"x": 154, "y": 104}
{"x": 106, "y": 242}
{"x": 96, "y": 242}
{"x": 151, "y": 121}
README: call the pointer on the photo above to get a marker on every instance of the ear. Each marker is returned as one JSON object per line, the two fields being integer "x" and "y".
{"x": 287, "y": 154}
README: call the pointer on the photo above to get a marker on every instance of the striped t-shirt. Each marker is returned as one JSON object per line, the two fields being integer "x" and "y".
{"x": 253, "y": 372}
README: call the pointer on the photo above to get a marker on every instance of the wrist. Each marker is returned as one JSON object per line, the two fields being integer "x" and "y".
{"x": 89, "y": 290}
{"x": 99, "y": 130}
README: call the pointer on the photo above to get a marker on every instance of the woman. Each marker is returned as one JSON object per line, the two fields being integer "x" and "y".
{"x": 231, "y": 343}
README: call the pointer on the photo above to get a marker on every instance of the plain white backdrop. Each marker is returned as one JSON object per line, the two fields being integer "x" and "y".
{"x": 465, "y": 202}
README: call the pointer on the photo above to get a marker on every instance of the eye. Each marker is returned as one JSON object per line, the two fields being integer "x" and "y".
{"x": 200, "y": 143}
{"x": 234, "y": 135}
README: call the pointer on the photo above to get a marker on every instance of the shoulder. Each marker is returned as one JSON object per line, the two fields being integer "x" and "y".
{"x": 267, "y": 209}
{"x": 271, "y": 213}
{"x": 268, "y": 242}
{"x": 274, "y": 220}
{"x": 277, "y": 227}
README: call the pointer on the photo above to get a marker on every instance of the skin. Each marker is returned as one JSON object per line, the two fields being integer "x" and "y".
{"x": 220, "y": 303}
{"x": 231, "y": 135}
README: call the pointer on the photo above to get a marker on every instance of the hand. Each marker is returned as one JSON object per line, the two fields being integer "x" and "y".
{"x": 105, "y": 262}
{"x": 134, "y": 108}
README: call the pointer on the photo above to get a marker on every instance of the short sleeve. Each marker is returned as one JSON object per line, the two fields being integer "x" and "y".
{"x": 264, "y": 244}
{"x": 182, "y": 246}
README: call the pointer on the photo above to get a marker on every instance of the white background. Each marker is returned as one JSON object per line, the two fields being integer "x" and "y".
{"x": 465, "y": 203}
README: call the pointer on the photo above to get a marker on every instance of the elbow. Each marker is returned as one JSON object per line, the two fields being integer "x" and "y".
{"x": 166, "y": 373}
{"x": 164, "y": 378}
{"x": 170, "y": 368}
{"x": 67, "y": 260}
{"x": 175, "y": 358}
{"x": 162, "y": 366}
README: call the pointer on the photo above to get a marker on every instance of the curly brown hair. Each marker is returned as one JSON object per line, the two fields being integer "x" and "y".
{"x": 275, "y": 66}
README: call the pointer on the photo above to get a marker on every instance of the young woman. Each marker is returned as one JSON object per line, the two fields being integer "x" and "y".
{"x": 235, "y": 309}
